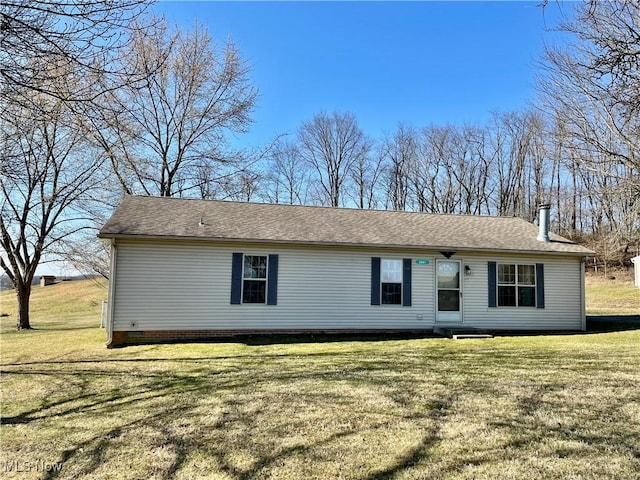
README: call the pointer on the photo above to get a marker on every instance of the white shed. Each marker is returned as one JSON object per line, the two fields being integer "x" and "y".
{"x": 636, "y": 268}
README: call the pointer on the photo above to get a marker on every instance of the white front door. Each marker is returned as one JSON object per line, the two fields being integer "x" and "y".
{"x": 448, "y": 291}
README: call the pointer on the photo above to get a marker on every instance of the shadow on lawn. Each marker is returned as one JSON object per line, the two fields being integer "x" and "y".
{"x": 249, "y": 415}
{"x": 595, "y": 324}
{"x": 165, "y": 407}
{"x": 575, "y": 436}
{"x": 612, "y": 323}
{"x": 216, "y": 408}
{"x": 599, "y": 324}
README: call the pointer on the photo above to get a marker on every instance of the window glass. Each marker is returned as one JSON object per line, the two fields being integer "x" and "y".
{"x": 391, "y": 285}
{"x": 527, "y": 296}
{"x": 255, "y": 266}
{"x": 507, "y": 274}
{"x": 526, "y": 275}
{"x": 392, "y": 271}
{"x": 253, "y": 291}
{"x": 448, "y": 301}
{"x": 506, "y": 296}
{"x": 254, "y": 284}
{"x": 448, "y": 275}
{"x": 391, "y": 293}
{"x": 516, "y": 285}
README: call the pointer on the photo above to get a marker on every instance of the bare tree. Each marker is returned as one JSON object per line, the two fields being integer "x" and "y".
{"x": 429, "y": 183}
{"x": 400, "y": 152}
{"x": 469, "y": 170}
{"x": 83, "y": 37}
{"x": 47, "y": 172}
{"x": 592, "y": 83}
{"x": 164, "y": 133}
{"x": 517, "y": 153}
{"x": 287, "y": 174}
{"x": 366, "y": 175}
{"x": 243, "y": 186}
{"x": 332, "y": 144}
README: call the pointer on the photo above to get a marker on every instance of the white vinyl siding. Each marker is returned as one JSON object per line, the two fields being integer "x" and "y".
{"x": 563, "y": 295}
{"x": 187, "y": 286}
{"x": 184, "y": 286}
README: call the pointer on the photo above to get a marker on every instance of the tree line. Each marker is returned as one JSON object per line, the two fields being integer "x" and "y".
{"x": 102, "y": 99}
{"x": 506, "y": 167}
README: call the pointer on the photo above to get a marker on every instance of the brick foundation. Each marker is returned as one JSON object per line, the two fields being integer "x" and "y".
{"x": 124, "y": 338}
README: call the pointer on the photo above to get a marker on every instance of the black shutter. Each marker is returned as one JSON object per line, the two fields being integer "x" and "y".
{"x": 236, "y": 279}
{"x": 492, "y": 283}
{"x": 272, "y": 280}
{"x": 539, "y": 285}
{"x": 406, "y": 282}
{"x": 375, "y": 280}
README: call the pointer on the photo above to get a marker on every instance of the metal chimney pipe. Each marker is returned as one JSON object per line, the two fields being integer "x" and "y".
{"x": 543, "y": 222}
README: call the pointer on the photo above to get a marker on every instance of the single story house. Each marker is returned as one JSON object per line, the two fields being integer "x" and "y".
{"x": 190, "y": 269}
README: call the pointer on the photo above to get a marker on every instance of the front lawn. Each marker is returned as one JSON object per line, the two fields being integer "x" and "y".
{"x": 565, "y": 406}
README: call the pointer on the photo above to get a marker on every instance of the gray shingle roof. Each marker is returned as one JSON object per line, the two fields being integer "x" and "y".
{"x": 155, "y": 217}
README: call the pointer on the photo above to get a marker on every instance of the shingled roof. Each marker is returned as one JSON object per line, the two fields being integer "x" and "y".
{"x": 179, "y": 218}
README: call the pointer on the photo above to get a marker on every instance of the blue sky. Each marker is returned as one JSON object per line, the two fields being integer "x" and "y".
{"x": 387, "y": 62}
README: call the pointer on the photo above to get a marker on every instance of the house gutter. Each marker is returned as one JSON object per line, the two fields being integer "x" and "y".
{"x": 112, "y": 291}
{"x": 582, "y": 253}
{"x": 583, "y": 308}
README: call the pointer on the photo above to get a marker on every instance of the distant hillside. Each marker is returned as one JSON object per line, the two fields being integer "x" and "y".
{"x": 72, "y": 303}
{"x": 5, "y": 282}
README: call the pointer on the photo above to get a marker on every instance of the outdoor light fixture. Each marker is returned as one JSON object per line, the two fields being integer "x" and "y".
{"x": 467, "y": 270}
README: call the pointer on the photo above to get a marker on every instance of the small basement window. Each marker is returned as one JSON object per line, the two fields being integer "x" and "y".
{"x": 254, "y": 279}
{"x": 391, "y": 282}
{"x": 516, "y": 285}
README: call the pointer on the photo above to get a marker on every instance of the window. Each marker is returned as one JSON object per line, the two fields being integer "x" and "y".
{"x": 516, "y": 285}
{"x": 254, "y": 279}
{"x": 391, "y": 282}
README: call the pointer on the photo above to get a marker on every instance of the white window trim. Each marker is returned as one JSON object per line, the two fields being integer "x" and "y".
{"x": 265, "y": 279}
{"x": 534, "y": 286}
{"x": 382, "y": 260}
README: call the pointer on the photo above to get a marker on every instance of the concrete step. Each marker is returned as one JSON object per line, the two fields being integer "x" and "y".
{"x": 459, "y": 332}
{"x": 463, "y": 336}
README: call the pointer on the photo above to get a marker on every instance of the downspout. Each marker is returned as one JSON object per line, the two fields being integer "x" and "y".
{"x": 583, "y": 308}
{"x": 112, "y": 292}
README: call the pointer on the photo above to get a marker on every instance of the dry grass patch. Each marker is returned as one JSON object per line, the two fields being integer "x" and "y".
{"x": 617, "y": 296}
{"x": 526, "y": 407}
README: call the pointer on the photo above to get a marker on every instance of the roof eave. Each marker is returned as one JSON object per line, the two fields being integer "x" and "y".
{"x": 116, "y": 236}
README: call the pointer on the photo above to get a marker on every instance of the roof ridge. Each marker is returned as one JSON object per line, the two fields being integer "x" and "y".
{"x": 149, "y": 216}
{"x": 328, "y": 207}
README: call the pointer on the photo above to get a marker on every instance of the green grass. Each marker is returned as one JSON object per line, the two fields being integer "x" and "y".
{"x": 556, "y": 407}
{"x": 612, "y": 297}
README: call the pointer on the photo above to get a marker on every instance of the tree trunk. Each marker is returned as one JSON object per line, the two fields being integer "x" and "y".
{"x": 23, "y": 293}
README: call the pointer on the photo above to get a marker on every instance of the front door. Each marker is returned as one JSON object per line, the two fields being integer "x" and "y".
{"x": 448, "y": 291}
